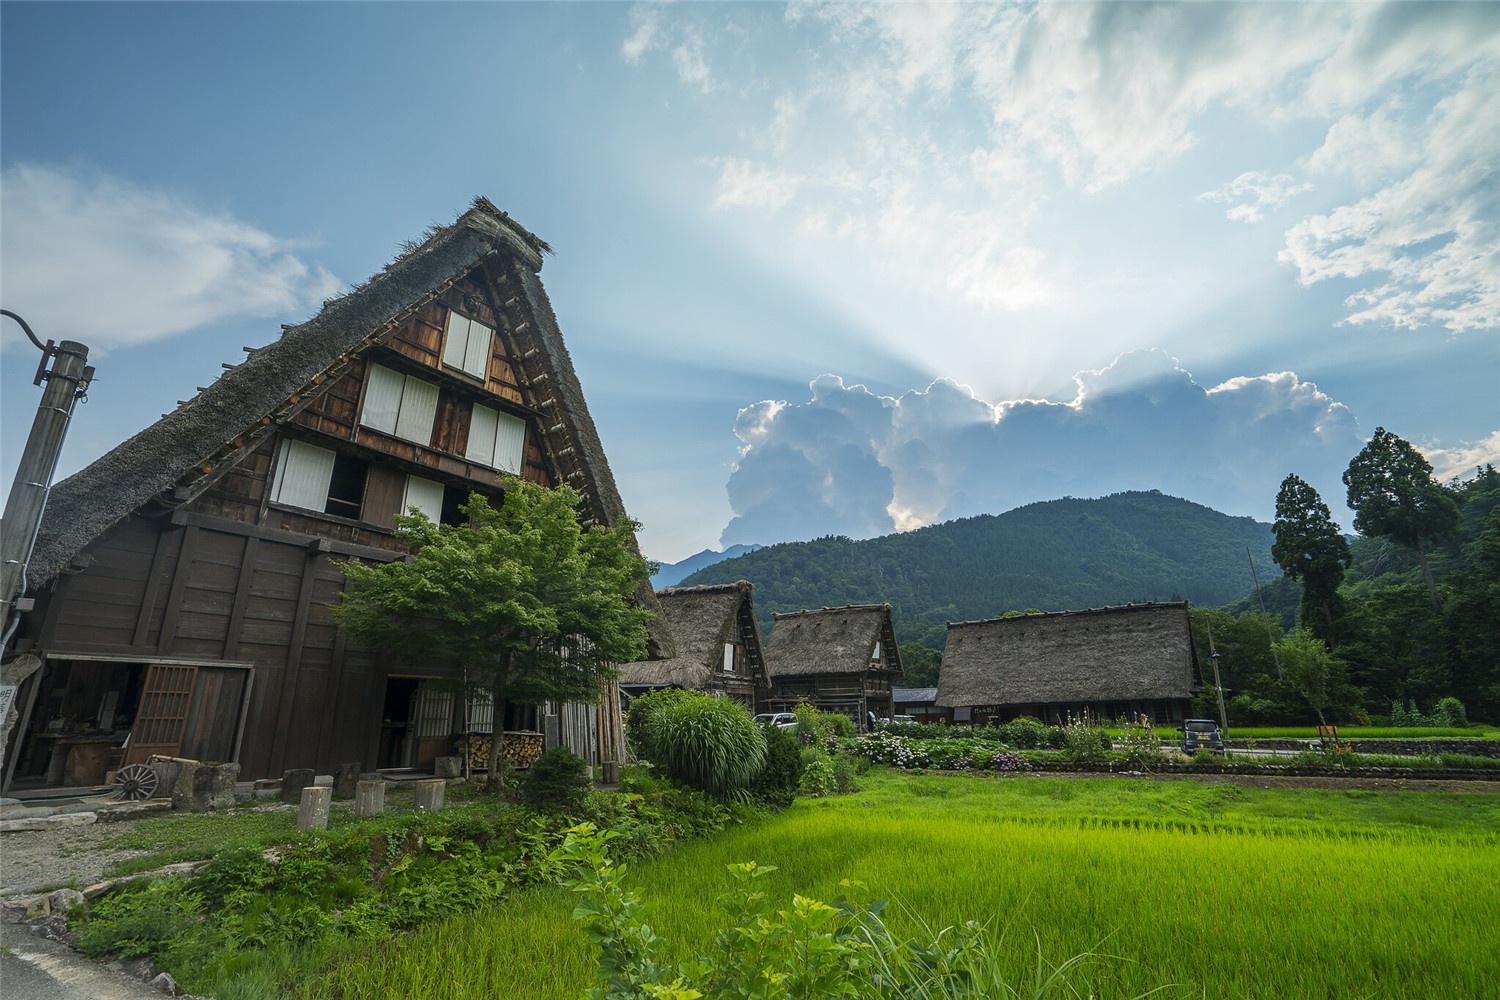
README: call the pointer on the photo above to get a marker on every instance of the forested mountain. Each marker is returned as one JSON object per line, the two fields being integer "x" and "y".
{"x": 670, "y": 573}
{"x": 1056, "y": 555}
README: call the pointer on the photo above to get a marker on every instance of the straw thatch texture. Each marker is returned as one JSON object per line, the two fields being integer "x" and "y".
{"x": 1135, "y": 652}
{"x": 153, "y": 462}
{"x": 702, "y": 620}
{"x": 833, "y": 641}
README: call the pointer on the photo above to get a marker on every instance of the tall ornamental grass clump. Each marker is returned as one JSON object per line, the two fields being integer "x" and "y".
{"x": 706, "y": 742}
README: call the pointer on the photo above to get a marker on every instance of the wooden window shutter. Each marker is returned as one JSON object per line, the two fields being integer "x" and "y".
{"x": 510, "y": 442}
{"x": 303, "y": 475}
{"x": 383, "y": 391}
{"x": 456, "y": 344}
{"x": 161, "y": 720}
{"x": 482, "y": 426}
{"x": 425, "y": 495}
{"x": 418, "y": 408}
{"x": 477, "y": 355}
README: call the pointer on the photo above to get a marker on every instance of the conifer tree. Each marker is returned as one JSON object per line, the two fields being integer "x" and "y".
{"x": 1309, "y": 548}
{"x": 1393, "y": 495}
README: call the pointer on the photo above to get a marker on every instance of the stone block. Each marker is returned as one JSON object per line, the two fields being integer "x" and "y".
{"x": 64, "y": 901}
{"x": 345, "y": 778}
{"x": 448, "y": 767}
{"x": 427, "y": 795}
{"x": 312, "y": 811}
{"x": 293, "y": 781}
{"x": 47, "y": 822}
{"x": 369, "y": 797}
{"x": 205, "y": 787}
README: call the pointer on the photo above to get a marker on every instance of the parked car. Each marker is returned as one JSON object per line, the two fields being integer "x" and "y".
{"x": 781, "y": 720}
{"x": 1201, "y": 734}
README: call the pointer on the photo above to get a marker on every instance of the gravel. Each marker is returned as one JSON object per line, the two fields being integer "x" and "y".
{"x": 76, "y": 855}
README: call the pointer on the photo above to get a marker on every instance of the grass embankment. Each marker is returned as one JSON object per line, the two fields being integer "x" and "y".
{"x": 1218, "y": 889}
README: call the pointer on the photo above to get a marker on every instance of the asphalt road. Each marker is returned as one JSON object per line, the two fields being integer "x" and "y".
{"x": 33, "y": 968}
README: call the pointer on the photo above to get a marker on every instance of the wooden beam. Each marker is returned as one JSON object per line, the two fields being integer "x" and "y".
{"x": 179, "y": 585}
{"x": 153, "y": 585}
{"x": 290, "y": 675}
{"x": 241, "y": 598}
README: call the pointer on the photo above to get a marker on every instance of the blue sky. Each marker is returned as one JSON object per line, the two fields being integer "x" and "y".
{"x": 822, "y": 268}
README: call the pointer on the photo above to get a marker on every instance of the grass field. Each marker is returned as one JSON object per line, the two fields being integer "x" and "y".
{"x": 1349, "y": 733}
{"x": 1210, "y": 889}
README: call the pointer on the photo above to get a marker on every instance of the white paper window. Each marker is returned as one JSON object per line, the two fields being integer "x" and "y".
{"x": 496, "y": 439}
{"x": 303, "y": 474}
{"x": 728, "y": 656}
{"x": 399, "y": 404}
{"x": 875, "y": 654}
{"x": 425, "y": 495}
{"x": 468, "y": 345}
{"x": 434, "y": 712}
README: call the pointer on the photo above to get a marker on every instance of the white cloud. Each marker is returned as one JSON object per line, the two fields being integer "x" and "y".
{"x": 853, "y": 462}
{"x": 647, "y": 23}
{"x": 101, "y": 260}
{"x": 932, "y": 138}
{"x": 1461, "y": 460}
{"x": 1254, "y": 193}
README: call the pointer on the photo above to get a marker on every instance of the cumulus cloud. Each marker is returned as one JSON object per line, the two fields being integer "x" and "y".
{"x": 1461, "y": 460}
{"x": 933, "y": 136}
{"x": 1254, "y": 193}
{"x": 94, "y": 258}
{"x": 850, "y": 461}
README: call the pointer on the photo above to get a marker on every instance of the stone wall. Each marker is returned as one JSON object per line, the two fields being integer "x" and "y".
{"x": 1404, "y": 748}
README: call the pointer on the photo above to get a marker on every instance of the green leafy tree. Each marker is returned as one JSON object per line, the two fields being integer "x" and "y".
{"x": 1473, "y": 624}
{"x": 922, "y": 665}
{"x": 1309, "y": 548}
{"x": 1314, "y": 672}
{"x": 524, "y": 600}
{"x": 1393, "y": 494}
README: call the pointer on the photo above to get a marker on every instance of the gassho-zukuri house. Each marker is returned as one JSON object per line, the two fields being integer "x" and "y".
{"x": 182, "y": 582}
{"x": 1116, "y": 662}
{"x": 718, "y": 645}
{"x": 838, "y": 659}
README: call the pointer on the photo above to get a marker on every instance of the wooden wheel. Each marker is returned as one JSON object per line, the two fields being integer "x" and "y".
{"x": 135, "y": 782}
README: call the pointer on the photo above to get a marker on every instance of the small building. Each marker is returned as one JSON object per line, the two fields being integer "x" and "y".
{"x": 839, "y": 659}
{"x": 181, "y": 583}
{"x": 920, "y": 704}
{"x": 717, "y": 640}
{"x": 1116, "y": 662}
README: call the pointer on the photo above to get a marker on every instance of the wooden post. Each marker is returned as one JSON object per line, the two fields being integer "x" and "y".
{"x": 369, "y": 798}
{"x": 312, "y": 811}
{"x": 429, "y": 795}
{"x": 293, "y": 781}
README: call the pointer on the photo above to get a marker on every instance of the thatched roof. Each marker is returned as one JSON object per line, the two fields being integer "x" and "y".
{"x": 257, "y": 393}
{"x": 833, "y": 641}
{"x": 1128, "y": 653}
{"x": 702, "y": 620}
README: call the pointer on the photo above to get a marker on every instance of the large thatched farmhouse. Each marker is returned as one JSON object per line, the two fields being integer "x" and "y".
{"x": 838, "y": 659}
{"x": 718, "y": 645}
{"x": 182, "y": 582}
{"x": 1109, "y": 662}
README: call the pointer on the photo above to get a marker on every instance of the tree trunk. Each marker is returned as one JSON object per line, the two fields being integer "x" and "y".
{"x": 496, "y": 780}
{"x": 1427, "y": 574}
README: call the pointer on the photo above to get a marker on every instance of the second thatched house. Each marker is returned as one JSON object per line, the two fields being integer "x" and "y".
{"x": 718, "y": 645}
{"x": 1111, "y": 663}
{"x": 838, "y": 659}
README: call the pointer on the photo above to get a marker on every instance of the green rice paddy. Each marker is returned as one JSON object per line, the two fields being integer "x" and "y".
{"x": 1210, "y": 890}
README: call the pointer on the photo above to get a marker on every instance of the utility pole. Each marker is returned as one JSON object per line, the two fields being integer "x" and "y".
{"x": 66, "y": 382}
{"x": 1213, "y": 652}
{"x": 1262, "y": 598}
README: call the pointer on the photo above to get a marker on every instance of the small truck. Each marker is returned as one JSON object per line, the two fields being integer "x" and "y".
{"x": 1201, "y": 734}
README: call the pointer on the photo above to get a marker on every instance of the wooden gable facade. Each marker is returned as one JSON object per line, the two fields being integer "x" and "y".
{"x": 839, "y": 659}
{"x": 718, "y": 645}
{"x": 182, "y": 582}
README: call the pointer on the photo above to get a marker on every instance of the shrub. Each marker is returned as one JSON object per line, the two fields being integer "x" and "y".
{"x": 1085, "y": 741}
{"x": 143, "y": 918}
{"x": 777, "y": 783}
{"x": 643, "y": 718}
{"x": 706, "y": 742}
{"x": 815, "y": 724}
{"x": 557, "y": 781}
{"x": 818, "y": 777}
{"x": 1450, "y": 713}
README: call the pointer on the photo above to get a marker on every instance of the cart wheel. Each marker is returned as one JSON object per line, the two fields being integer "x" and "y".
{"x": 135, "y": 782}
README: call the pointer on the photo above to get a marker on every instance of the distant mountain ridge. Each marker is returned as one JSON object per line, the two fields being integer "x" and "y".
{"x": 1053, "y": 555}
{"x": 671, "y": 573}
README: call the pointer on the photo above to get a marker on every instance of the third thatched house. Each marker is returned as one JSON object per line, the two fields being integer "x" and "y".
{"x": 839, "y": 659}
{"x": 1108, "y": 662}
